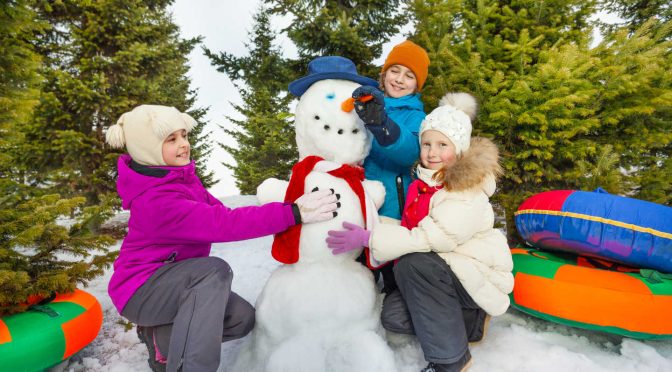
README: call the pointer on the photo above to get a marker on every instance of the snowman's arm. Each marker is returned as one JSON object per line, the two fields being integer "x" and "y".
{"x": 376, "y": 191}
{"x": 272, "y": 190}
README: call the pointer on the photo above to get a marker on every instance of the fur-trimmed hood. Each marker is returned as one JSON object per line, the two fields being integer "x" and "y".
{"x": 478, "y": 167}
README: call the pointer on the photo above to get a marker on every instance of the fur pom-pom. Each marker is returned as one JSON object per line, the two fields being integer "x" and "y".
{"x": 464, "y": 102}
{"x": 115, "y": 134}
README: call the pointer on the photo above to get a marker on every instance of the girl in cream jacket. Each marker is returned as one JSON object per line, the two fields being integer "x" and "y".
{"x": 451, "y": 265}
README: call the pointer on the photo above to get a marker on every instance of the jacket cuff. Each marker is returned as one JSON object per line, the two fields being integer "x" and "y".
{"x": 296, "y": 212}
{"x": 386, "y": 133}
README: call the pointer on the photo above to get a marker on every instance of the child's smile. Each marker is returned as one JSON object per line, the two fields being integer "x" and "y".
{"x": 399, "y": 81}
{"x": 176, "y": 148}
{"x": 436, "y": 150}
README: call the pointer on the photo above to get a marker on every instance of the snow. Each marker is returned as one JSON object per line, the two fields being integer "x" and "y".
{"x": 514, "y": 342}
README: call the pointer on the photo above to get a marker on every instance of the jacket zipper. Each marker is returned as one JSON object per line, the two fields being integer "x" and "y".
{"x": 400, "y": 194}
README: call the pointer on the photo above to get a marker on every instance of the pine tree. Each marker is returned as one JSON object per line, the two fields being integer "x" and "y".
{"x": 355, "y": 30}
{"x": 635, "y": 105}
{"x": 496, "y": 50}
{"x": 265, "y": 137}
{"x": 603, "y": 172}
{"x": 560, "y": 111}
{"x": 503, "y": 38}
{"x": 19, "y": 89}
{"x": 39, "y": 253}
{"x": 635, "y": 13}
{"x": 101, "y": 59}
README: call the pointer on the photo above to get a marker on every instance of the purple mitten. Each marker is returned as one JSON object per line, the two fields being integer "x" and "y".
{"x": 353, "y": 237}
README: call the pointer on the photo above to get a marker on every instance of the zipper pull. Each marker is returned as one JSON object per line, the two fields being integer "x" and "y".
{"x": 171, "y": 258}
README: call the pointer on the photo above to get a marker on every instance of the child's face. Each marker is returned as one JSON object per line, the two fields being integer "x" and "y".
{"x": 176, "y": 148}
{"x": 399, "y": 81}
{"x": 436, "y": 150}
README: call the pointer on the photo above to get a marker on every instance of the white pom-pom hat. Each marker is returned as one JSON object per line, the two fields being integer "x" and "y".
{"x": 144, "y": 129}
{"x": 453, "y": 119}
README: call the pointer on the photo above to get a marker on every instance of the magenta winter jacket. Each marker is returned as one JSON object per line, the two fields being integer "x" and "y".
{"x": 173, "y": 218}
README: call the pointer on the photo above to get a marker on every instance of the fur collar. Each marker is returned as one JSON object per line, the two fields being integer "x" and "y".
{"x": 478, "y": 166}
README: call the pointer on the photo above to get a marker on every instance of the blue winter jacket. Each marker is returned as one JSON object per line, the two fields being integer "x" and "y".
{"x": 386, "y": 163}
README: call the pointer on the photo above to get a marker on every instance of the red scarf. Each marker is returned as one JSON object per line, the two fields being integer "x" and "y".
{"x": 417, "y": 203}
{"x": 286, "y": 244}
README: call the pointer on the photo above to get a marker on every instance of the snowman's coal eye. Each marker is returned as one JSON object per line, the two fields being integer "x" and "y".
{"x": 331, "y": 96}
{"x": 355, "y": 131}
{"x": 326, "y": 127}
{"x": 317, "y": 117}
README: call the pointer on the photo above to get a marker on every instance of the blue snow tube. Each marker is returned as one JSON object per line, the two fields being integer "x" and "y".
{"x": 624, "y": 230}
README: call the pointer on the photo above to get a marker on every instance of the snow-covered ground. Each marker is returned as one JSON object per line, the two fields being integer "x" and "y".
{"x": 514, "y": 342}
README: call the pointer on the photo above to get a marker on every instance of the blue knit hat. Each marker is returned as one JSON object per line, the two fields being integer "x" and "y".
{"x": 329, "y": 67}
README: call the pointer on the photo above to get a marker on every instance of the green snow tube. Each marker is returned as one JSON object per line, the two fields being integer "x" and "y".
{"x": 38, "y": 339}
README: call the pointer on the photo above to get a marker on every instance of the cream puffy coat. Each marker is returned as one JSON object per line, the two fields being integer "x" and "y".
{"x": 459, "y": 228}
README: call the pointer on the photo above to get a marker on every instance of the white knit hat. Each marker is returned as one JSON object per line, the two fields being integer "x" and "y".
{"x": 144, "y": 129}
{"x": 453, "y": 119}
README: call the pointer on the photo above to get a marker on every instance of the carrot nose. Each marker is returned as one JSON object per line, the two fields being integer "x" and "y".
{"x": 349, "y": 104}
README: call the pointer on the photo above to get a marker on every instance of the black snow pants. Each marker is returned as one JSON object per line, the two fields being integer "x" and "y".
{"x": 432, "y": 304}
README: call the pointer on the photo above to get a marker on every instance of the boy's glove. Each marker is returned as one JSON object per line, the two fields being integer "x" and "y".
{"x": 316, "y": 206}
{"x": 353, "y": 237}
{"x": 372, "y": 113}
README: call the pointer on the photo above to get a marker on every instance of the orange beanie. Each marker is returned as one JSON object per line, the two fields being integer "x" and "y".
{"x": 412, "y": 56}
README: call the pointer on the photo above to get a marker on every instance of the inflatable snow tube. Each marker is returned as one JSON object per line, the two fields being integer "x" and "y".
{"x": 558, "y": 287}
{"x": 625, "y": 230}
{"x": 49, "y": 334}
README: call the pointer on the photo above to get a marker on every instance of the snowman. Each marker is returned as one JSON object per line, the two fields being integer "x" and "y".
{"x": 320, "y": 311}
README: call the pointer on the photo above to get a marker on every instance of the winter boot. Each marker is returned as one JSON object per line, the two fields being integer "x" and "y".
{"x": 157, "y": 362}
{"x": 486, "y": 324}
{"x": 459, "y": 366}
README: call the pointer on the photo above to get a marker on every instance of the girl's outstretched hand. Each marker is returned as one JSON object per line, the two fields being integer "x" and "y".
{"x": 318, "y": 205}
{"x": 353, "y": 237}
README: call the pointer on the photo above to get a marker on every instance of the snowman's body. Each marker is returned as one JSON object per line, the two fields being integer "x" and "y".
{"x": 322, "y": 313}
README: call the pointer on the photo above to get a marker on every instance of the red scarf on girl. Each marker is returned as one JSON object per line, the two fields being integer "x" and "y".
{"x": 417, "y": 203}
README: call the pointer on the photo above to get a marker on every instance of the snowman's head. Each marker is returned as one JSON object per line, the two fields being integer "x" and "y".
{"x": 325, "y": 129}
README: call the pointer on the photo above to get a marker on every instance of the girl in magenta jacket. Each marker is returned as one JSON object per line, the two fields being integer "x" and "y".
{"x": 164, "y": 279}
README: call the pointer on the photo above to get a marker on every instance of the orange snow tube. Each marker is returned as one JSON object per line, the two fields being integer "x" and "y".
{"x": 48, "y": 334}
{"x": 553, "y": 286}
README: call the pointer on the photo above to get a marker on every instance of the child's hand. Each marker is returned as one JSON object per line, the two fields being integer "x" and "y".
{"x": 372, "y": 112}
{"x": 318, "y": 205}
{"x": 353, "y": 237}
